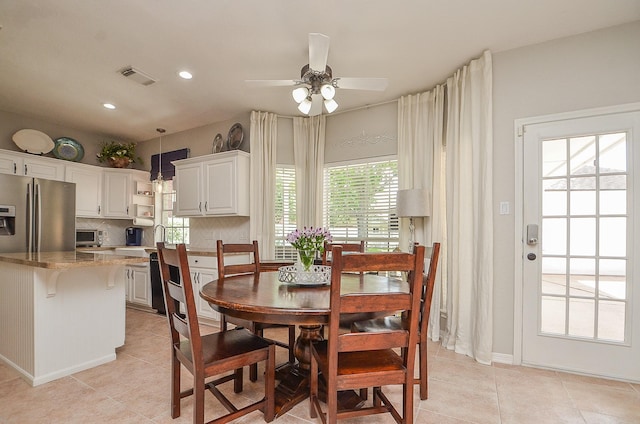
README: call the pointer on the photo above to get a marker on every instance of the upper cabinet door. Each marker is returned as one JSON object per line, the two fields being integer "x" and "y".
{"x": 117, "y": 194}
{"x": 43, "y": 168}
{"x": 88, "y": 180}
{"x": 188, "y": 186}
{"x": 220, "y": 187}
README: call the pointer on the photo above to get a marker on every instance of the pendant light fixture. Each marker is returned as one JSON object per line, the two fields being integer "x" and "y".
{"x": 158, "y": 181}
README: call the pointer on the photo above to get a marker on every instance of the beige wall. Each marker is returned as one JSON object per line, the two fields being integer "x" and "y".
{"x": 10, "y": 123}
{"x": 595, "y": 69}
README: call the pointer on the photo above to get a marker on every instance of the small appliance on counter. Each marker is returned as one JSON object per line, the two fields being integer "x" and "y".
{"x": 133, "y": 236}
{"x": 88, "y": 238}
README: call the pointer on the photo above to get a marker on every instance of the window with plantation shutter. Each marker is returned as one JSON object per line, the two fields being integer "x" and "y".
{"x": 359, "y": 203}
{"x": 285, "y": 211}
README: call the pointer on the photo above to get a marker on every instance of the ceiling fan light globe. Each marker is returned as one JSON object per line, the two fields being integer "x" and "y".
{"x": 305, "y": 106}
{"x": 300, "y": 93}
{"x": 330, "y": 105}
{"x": 327, "y": 91}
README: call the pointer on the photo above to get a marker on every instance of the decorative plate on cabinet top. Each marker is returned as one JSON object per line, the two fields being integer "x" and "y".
{"x": 218, "y": 143}
{"x": 235, "y": 137}
{"x": 33, "y": 141}
{"x": 68, "y": 149}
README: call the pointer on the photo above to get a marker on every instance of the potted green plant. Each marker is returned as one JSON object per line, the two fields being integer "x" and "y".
{"x": 118, "y": 155}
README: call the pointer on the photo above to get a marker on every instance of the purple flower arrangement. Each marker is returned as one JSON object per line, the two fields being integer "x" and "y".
{"x": 309, "y": 238}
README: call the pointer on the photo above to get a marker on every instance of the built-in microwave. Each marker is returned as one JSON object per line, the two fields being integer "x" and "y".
{"x": 88, "y": 238}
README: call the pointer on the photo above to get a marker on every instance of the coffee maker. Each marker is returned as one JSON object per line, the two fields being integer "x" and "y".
{"x": 133, "y": 236}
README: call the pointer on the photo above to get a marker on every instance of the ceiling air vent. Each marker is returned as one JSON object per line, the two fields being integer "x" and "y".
{"x": 137, "y": 75}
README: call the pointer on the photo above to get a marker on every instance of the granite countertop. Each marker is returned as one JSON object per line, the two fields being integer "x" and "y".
{"x": 197, "y": 251}
{"x": 66, "y": 260}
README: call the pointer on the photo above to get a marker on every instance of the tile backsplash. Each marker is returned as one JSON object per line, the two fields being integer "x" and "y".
{"x": 203, "y": 232}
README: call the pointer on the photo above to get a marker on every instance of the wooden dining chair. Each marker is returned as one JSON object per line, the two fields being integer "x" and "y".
{"x": 212, "y": 354}
{"x": 368, "y": 359}
{"x": 252, "y": 267}
{"x": 346, "y": 247}
{"x": 395, "y": 322}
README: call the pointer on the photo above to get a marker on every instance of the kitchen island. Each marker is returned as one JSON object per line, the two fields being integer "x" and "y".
{"x": 61, "y": 312}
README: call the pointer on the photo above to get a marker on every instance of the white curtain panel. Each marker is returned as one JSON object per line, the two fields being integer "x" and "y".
{"x": 469, "y": 179}
{"x": 420, "y": 165}
{"x": 263, "y": 141}
{"x": 308, "y": 151}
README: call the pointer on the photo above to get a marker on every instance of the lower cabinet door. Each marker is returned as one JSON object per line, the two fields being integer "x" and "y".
{"x": 139, "y": 285}
{"x": 202, "y": 277}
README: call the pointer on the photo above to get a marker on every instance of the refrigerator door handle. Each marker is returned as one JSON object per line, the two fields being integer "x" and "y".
{"x": 38, "y": 207}
{"x": 30, "y": 214}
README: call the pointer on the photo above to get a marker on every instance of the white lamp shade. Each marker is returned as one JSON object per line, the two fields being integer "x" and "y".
{"x": 330, "y": 105}
{"x": 327, "y": 91}
{"x": 305, "y": 106}
{"x": 413, "y": 203}
{"x": 300, "y": 93}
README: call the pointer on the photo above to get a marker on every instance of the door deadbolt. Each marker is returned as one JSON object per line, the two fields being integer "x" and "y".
{"x": 531, "y": 256}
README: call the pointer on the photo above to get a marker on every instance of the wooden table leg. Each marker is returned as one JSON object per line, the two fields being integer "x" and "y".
{"x": 294, "y": 379}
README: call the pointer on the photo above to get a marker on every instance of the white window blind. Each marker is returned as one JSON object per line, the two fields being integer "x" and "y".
{"x": 360, "y": 201}
{"x": 285, "y": 211}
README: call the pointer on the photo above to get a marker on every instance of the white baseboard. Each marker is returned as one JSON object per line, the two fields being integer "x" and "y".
{"x": 502, "y": 358}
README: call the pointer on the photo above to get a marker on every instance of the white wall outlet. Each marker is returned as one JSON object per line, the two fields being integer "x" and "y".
{"x": 244, "y": 237}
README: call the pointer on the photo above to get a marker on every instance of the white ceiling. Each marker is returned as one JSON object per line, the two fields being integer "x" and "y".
{"x": 59, "y": 59}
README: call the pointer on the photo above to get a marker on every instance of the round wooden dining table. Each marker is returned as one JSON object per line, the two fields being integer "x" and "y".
{"x": 263, "y": 298}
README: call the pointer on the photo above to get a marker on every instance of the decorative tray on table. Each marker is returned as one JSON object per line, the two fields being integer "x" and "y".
{"x": 318, "y": 275}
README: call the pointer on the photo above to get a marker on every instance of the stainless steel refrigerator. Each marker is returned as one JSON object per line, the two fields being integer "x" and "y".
{"x": 36, "y": 215}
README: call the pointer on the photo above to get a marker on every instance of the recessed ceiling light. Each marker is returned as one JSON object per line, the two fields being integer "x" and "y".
{"x": 185, "y": 75}
{"x": 108, "y": 106}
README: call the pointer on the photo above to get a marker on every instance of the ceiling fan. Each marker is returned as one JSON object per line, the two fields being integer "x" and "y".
{"x": 316, "y": 85}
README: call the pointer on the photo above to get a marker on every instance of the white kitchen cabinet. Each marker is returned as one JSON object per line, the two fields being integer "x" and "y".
{"x": 25, "y": 164}
{"x": 213, "y": 185}
{"x": 138, "y": 284}
{"x": 188, "y": 186}
{"x": 203, "y": 270}
{"x": 50, "y": 169}
{"x": 88, "y": 180}
{"x": 116, "y": 194}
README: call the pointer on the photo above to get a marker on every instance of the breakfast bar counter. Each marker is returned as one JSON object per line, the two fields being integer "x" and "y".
{"x": 62, "y": 312}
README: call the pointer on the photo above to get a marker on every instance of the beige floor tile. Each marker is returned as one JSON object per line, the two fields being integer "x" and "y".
{"x": 618, "y": 403}
{"x": 135, "y": 389}
{"x": 529, "y": 391}
{"x": 462, "y": 402}
{"x": 468, "y": 373}
{"x": 549, "y": 414}
{"x": 596, "y": 418}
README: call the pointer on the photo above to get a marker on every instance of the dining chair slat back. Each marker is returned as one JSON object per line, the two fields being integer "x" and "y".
{"x": 346, "y": 247}
{"x": 210, "y": 355}
{"x": 394, "y": 322}
{"x": 361, "y": 360}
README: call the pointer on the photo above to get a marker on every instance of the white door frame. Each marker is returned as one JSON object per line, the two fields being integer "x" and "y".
{"x": 518, "y": 277}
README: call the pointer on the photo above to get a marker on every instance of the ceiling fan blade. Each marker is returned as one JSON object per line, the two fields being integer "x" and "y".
{"x": 375, "y": 84}
{"x": 270, "y": 83}
{"x": 318, "y": 51}
{"x": 316, "y": 105}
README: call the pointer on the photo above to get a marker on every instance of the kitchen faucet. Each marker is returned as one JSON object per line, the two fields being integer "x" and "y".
{"x": 163, "y": 232}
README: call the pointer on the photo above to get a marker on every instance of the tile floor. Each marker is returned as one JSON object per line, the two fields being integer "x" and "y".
{"x": 135, "y": 389}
